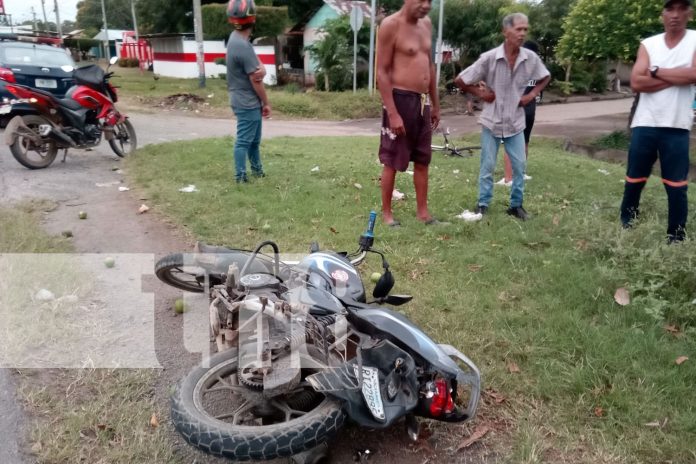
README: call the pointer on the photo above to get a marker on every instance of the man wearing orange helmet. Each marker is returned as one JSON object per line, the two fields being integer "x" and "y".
{"x": 248, "y": 97}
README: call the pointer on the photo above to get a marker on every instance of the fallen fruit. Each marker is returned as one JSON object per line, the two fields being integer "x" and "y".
{"x": 67, "y": 233}
{"x": 375, "y": 277}
{"x": 82, "y": 215}
{"x": 179, "y": 306}
{"x": 109, "y": 262}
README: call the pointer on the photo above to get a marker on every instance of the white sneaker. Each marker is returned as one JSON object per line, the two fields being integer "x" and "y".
{"x": 502, "y": 182}
{"x": 526, "y": 177}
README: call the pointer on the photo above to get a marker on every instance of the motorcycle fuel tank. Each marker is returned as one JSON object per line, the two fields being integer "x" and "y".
{"x": 333, "y": 273}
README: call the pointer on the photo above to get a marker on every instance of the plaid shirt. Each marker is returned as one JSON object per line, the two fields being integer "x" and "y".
{"x": 505, "y": 117}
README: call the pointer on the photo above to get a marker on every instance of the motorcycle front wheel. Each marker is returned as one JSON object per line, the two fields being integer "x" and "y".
{"x": 124, "y": 141}
{"x": 214, "y": 412}
{"x": 29, "y": 154}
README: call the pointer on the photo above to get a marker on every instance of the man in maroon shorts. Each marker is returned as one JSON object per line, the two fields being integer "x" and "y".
{"x": 406, "y": 79}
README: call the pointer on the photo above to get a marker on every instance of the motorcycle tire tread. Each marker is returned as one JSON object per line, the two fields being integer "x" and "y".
{"x": 250, "y": 443}
{"x": 163, "y": 268}
{"x": 18, "y": 151}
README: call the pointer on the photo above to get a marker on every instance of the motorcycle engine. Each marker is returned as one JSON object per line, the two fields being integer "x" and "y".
{"x": 92, "y": 132}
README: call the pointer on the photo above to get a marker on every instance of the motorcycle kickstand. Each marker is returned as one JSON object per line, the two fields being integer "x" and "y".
{"x": 412, "y": 427}
{"x": 65, "y": 155}
{"x": 318, "y": 454}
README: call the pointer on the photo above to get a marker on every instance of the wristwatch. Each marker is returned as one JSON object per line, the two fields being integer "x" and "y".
{"x": 653, "y": 71}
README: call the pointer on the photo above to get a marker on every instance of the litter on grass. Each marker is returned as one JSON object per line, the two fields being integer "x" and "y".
{"x": 188, "y": 189}
{"x": 315, "y": 169}
{"x": 123, "y": 189}
{"x": 470, "y": 216}
{"x": 603, "y": 171}
{"x": 396, "y": 195}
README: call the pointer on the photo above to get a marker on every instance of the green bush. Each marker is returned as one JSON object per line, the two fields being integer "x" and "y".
{"x": 126, "y": 62}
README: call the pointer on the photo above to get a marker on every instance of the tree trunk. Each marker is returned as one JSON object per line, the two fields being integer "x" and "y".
{"x": 326, "y": 81}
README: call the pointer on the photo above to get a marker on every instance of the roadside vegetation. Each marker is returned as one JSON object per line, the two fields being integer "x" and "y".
{"x": 570, "y": 374}
{"x": 147, "y": 91}
{"x": 75, "y": 415}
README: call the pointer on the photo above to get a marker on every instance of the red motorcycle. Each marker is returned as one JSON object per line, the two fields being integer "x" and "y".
{"x": 77, "y": 121}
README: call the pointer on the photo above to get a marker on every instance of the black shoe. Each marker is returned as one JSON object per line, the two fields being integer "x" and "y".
{"x": 481, "y": 209}
{"x": 258, "y": 174}
{"x": 242, "y": 180}
{"x": 518, "y": 212}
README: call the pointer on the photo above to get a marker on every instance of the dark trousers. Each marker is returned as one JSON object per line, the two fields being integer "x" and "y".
{"x": 672, "y": 147}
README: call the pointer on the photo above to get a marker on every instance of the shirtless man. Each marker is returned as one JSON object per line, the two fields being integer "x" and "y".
{"x": 406, "y": 79}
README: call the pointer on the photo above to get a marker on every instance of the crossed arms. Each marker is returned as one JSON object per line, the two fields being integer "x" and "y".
{"x": 642, "y": 81}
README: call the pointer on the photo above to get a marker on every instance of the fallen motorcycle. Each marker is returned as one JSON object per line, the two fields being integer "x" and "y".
{"x": 301, "y": 349}
{"x": 77, "y": 121}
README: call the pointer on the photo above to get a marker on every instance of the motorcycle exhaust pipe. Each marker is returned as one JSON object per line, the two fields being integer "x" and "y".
{"x": 46, "y": 130}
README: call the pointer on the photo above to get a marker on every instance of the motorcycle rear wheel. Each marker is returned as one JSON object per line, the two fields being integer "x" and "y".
{"x": 172, "y": 271}
{"x": 203, "y": 427}
{"x": 124, "y": 141}
{"x": 30, "y": 155}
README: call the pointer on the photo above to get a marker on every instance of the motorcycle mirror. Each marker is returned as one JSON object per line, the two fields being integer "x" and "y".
{"x": 397, "y": 300}
{"x": 113, "y": 60}
{"x": 384, "y": 285}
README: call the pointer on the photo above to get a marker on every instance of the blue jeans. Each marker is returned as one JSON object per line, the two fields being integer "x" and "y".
{"x": 247, "y": 142}
{"x": 514, "y": 146}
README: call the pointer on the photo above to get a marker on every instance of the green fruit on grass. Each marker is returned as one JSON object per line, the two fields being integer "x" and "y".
{"x": 82, "y": 215}
{"x": 109, "y": 262}
{"x": 179, "y": 306}
{"x": 375, "y": 277}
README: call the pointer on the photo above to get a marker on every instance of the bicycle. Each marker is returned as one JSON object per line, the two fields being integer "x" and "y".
{"x": 452, "y": 150}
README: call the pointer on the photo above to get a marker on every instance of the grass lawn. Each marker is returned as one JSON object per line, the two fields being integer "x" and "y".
{"x": 141, "y": 89}
{"x": 570, "y": 375}
{"x": 75, "y": 415}
{"x": 582, "y": 378}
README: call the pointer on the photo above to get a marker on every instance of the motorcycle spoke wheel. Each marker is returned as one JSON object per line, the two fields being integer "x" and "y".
{"x": 29, "y": 154}
{"x": 216, "y": 413}
{"x": 172, "y": 271}
{"x": 124, "y": 141}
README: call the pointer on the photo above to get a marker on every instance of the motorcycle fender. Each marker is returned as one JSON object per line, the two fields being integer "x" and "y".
{"x": 11, "y": 129}
{"x": 396, "y": 327}
{"x": 384, "y": 322}
{"x": 394, "y": 389}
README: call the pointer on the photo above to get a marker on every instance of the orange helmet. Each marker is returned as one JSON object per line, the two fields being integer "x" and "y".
{"x": 241, "y": 13}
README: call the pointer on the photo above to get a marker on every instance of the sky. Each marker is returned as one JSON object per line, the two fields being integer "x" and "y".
{"x": 21, "y": 10}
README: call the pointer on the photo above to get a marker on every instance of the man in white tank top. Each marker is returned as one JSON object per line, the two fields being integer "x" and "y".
{"x": 664, "y": 74}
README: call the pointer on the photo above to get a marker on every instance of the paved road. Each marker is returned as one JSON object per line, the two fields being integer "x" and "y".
{"x": 74, "y": 184}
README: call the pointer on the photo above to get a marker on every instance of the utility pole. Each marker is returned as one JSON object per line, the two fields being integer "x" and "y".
{"x": 198, "y": 32}
{"x": 59, "y": 27}
{"x": 438, "y": 46}
{"x": 371, "y": 72}
{"x": 33, "y": 15}
{"x": 106, "y": 32}
{"x": 135, "y": 22}
{"x": 43, "y": 7}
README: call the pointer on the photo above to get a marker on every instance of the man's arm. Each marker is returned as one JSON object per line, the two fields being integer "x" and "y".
{"x": 536, "y": 91}
{"x": 261, "y": 92}
{"x": 679, "y": 76}
{"x": 433, "y": 91}
{"x": 469, "y": 79}
{"x": 385, "y": 44}
{"x": 641, "y": 80}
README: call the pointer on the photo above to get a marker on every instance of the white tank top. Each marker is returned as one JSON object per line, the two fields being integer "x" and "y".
{"x": 670, "y": 107}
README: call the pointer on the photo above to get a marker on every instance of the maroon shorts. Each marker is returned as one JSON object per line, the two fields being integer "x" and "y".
{"x": 397, "y": 151}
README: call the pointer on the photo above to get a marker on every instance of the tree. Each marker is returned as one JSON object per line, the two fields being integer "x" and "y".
{"x": 118, "y": 14}
{"x": 163, "y": 16}
{"x": 270, "y": 21}
{"x": 608, "y": 29}
{"x": 299, "y": 9}
{"x": 546, "y": 19}
{"x": 472, "y": 25}
{"x": 334, "y": 52}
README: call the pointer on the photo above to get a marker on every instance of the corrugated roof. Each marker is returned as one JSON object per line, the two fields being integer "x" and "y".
{"x": 344, "y": 7}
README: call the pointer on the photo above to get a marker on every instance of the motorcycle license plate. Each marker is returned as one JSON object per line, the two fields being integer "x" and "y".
{"x": 370, "y": 391}
{"x": 47, "y": 83}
